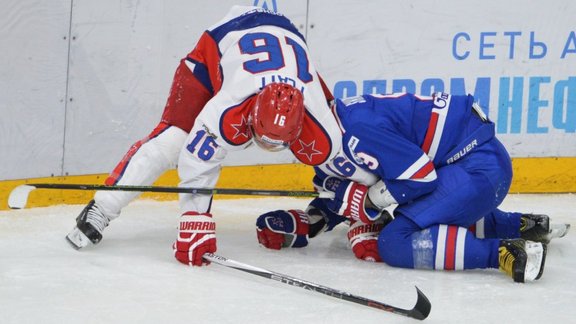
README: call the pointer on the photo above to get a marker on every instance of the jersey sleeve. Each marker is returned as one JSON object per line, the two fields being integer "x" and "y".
{"x": 405, "y": 169}
{"x": 199, "y": 166}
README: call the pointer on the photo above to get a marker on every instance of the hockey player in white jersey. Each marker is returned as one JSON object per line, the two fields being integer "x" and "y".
{"x": 249, "y": 79}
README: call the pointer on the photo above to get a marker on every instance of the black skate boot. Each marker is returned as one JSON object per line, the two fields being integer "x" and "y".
{"x": 89, "y": 227}
{"x": 522, "y": 260}
{"x": 538, "y": 228}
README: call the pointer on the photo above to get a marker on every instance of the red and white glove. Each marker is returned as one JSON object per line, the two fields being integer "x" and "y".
{"x": 363, "y": 239}
{"x": 283, "y": 228}
{"x": 196, "y": 236}
{"x": 350, "y": 200}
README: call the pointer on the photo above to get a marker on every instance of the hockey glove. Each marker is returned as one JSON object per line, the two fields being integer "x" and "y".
{"x": 283, "y": 228}
{"x": 196, "y": 236}
{"x": 350, "y": 200}
{"x": 363, "y": 239}
{"x": 321, "y": 218}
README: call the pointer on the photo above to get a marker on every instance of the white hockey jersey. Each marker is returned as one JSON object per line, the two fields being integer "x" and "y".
{"x": 234, "y": 59}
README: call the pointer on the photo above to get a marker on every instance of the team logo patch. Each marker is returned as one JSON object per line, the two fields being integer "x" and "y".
{"x": 308, "y": 150}
{"x": 441, "y": 100}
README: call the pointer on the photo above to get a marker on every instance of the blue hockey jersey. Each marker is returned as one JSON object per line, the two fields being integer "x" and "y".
{"x": 404, "y": 138}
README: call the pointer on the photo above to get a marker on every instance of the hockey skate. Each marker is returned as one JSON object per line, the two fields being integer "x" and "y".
{"x": 521, "y": 259}
{"x": 89, "y": 227}
{"x": 538, "y": 228}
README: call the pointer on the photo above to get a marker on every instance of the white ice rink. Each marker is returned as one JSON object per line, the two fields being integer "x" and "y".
{"x": 132, "y": 277}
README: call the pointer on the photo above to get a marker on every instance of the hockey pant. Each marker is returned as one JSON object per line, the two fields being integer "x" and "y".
{"x": 145, "y": 161}
{"x": 433, "y": 232}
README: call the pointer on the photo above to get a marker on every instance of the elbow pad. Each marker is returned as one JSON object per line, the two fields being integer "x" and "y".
{"x": 380, "y": 196}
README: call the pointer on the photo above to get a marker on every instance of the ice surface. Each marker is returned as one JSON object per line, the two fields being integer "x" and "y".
{"x": 132, "y": 277}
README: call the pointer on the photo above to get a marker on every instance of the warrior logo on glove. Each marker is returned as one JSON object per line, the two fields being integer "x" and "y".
{"x": 196, "y": 236}
{"x": 363, "y": 239}
{"x": 349, "y": 200}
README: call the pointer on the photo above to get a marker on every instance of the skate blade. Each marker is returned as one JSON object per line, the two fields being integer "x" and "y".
{"x": 534, "y": 265}
{"x": 558, "y": 230}
{"x": 77, "y": 239}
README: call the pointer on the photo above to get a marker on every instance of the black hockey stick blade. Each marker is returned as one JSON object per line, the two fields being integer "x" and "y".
{"x": 422, "y": 308}
{"x": 420, "y": 311}
{"x": 19, "y": 195}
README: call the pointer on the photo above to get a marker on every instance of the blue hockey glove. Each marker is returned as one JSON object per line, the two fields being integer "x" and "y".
{"x": 321, "y": 218}
{"x": 283, "y": 228}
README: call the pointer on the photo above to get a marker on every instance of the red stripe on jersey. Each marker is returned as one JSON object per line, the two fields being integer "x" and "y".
{"x": 118, "y": 171}
{"x": 424, "y": 171}
{"x": 450, "y": 249}
{"x": 207, "y": 52}
{"x": 430, "y": 132}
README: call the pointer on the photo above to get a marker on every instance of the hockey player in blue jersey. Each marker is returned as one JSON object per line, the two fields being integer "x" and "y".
{"x": 438, "y": 160}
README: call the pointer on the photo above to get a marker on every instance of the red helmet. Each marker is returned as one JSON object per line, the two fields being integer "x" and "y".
{"x": 276, "y": 119}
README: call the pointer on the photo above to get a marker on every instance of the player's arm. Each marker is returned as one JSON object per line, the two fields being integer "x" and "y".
{"x": 405, "y": 173}
{"x": 198, "y": 166}
{"x": 293, "y": 228}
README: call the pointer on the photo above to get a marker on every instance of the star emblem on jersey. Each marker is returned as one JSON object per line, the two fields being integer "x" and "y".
{"x": 241, "y": 129}
{"x": 308, "y": 149}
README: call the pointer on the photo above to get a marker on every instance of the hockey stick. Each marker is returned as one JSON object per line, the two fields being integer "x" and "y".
{"x": 19, "y": 195}
{"x": 420, "y": 310}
